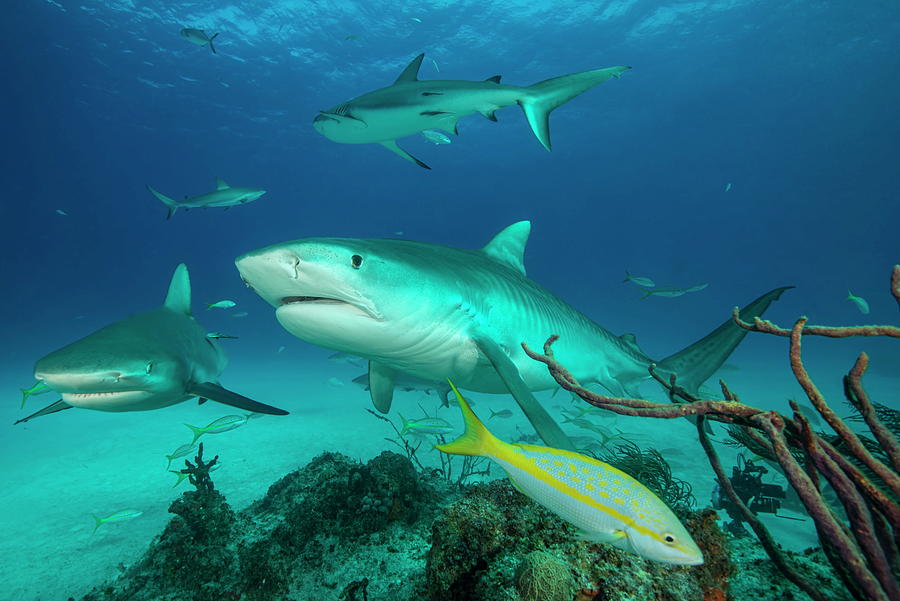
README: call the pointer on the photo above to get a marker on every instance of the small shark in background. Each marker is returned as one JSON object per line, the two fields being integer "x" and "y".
{"x": 410, "y": 106}
{"x": 223, "y": 196}
{"x": 439, "y": 312}
{"x": 147, "y": 361}
{"x": 198, "y": 37}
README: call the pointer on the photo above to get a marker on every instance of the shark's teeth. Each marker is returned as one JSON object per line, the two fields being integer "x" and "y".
{"x": 288, "y": 300}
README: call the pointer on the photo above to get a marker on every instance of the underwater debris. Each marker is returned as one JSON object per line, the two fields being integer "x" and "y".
{"x": 865, "y": 555}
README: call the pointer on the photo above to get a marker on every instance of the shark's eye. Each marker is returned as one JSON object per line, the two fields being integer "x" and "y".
{"x": 356, "y": 261}
{"x": 670, "y": 540}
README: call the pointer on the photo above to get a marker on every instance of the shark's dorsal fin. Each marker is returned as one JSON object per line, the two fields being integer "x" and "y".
{"x": 495, "y": 79}
{"x": 179, "y": 296}
{"x": 411, "y": 72}
{"x": 508, "y": 246}
{"x": 220, "y": 184}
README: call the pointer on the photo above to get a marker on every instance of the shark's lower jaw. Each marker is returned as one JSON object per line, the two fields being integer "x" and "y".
{"x": 123, "y": 400}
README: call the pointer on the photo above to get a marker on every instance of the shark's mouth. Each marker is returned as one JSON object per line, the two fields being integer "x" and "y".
{"x": 293, "y": 300}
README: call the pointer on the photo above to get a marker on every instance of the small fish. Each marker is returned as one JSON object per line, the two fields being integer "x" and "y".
{"x": 425, "y": 426}
{"x": 61, "y": 212}
{"x": 198, "y": 37}
{"x": 280, "y": 350}
{"x": 253, "y": 415}
{"x": 218, "y": 336}
{"x": 240, "y": 314}
{"x": 182, "y": 451}
{"x": 222, "y": 304}
{"x": 604, "y": 503}
{"x": 38, "y": 388}
{"x": 351, "y": 36}
{"x": 860, "y": 303}
{"x": 336, "y": 382}
{"x": 435, "y": 136}
{"x": 640, "y": 281}
{"x": 674, "y": 292}
{"x": 398, "y": 233}
{"x": 436, "y": 68}
{"x": 501, "y": 414}
{"x": 728, "y": 186}
{"x": 126, "y": 514}
{"x": 416, "y": 19}
{"x": 347, "y": 358}
{"x": 223, "y": 424}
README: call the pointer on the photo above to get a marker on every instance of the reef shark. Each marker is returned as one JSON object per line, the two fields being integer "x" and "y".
{"x": 439, "y": 312}
{"x": 410, "y": 106}
{"x": 147, "y": 361}
{"x": 223, "y": 196}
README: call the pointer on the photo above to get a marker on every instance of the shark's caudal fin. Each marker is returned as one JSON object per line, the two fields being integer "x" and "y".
{"x": 171, "y": 204}
{"x": 179, "y": 296}
{"x": 541, "y": 98}
{"x": 211, "y": 47}
{"x": 695, "y": 364}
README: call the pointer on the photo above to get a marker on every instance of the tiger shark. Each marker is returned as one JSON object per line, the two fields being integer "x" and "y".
{"x": 147, "y": 361}
{"x": 439, "y": 312}
{"x": 223, "y": 196}
{"x": 410, "y": 106}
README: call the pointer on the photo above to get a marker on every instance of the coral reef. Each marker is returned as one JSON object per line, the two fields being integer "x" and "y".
{"x": 335, "y": 529}
{"x": 480, "y": 542}
{"x": 339, "y": 530}
{"x": 864, "y": 551}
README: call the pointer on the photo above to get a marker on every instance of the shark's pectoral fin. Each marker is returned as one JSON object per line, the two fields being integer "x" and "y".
{"x": 492, "y": 115}
{"x": 214, "y": 392}
{"x": 393, "y": 147}
{"x": 381, "y": 385}
{"x": 543, "y": 424}
{"x": 59, "y": 405}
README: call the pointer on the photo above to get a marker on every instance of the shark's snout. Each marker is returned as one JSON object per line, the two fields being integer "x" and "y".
{"x": 271, "y": 274}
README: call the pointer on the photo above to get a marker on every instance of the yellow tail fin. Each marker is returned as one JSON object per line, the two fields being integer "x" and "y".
{"x": 476, "y": 440}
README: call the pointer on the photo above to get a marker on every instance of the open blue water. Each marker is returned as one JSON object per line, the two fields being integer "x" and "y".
{"x": 752, "y": 145}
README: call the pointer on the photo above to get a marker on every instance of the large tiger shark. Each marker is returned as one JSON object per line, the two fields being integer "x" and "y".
{"x": 410, "y": 106}
{"x": 439, "y": 312}
{"x": 147, "y": 361}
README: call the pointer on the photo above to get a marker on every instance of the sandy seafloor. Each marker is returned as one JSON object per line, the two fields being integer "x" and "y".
{"x": 60, "y": 469}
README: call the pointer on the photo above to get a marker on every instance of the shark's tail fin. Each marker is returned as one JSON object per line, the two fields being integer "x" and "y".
{"x": 211, "y": 47}
{"x": 695, "y": 364}
{"x": 541, "y": 98}
{"x": 171, "y": 204}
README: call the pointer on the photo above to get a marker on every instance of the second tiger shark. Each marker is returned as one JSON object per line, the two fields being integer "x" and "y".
{"x": 410, "y": 106}
{"x": 439, "y": 312}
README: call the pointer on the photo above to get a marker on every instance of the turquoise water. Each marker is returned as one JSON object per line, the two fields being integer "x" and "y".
{"x": 751, "y": 146}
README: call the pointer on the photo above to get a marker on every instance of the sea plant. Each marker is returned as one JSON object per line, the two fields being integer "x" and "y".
{"x": 864, "y": 549}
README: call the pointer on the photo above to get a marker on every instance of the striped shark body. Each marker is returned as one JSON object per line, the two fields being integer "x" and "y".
{"x": 442, "y": 312}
